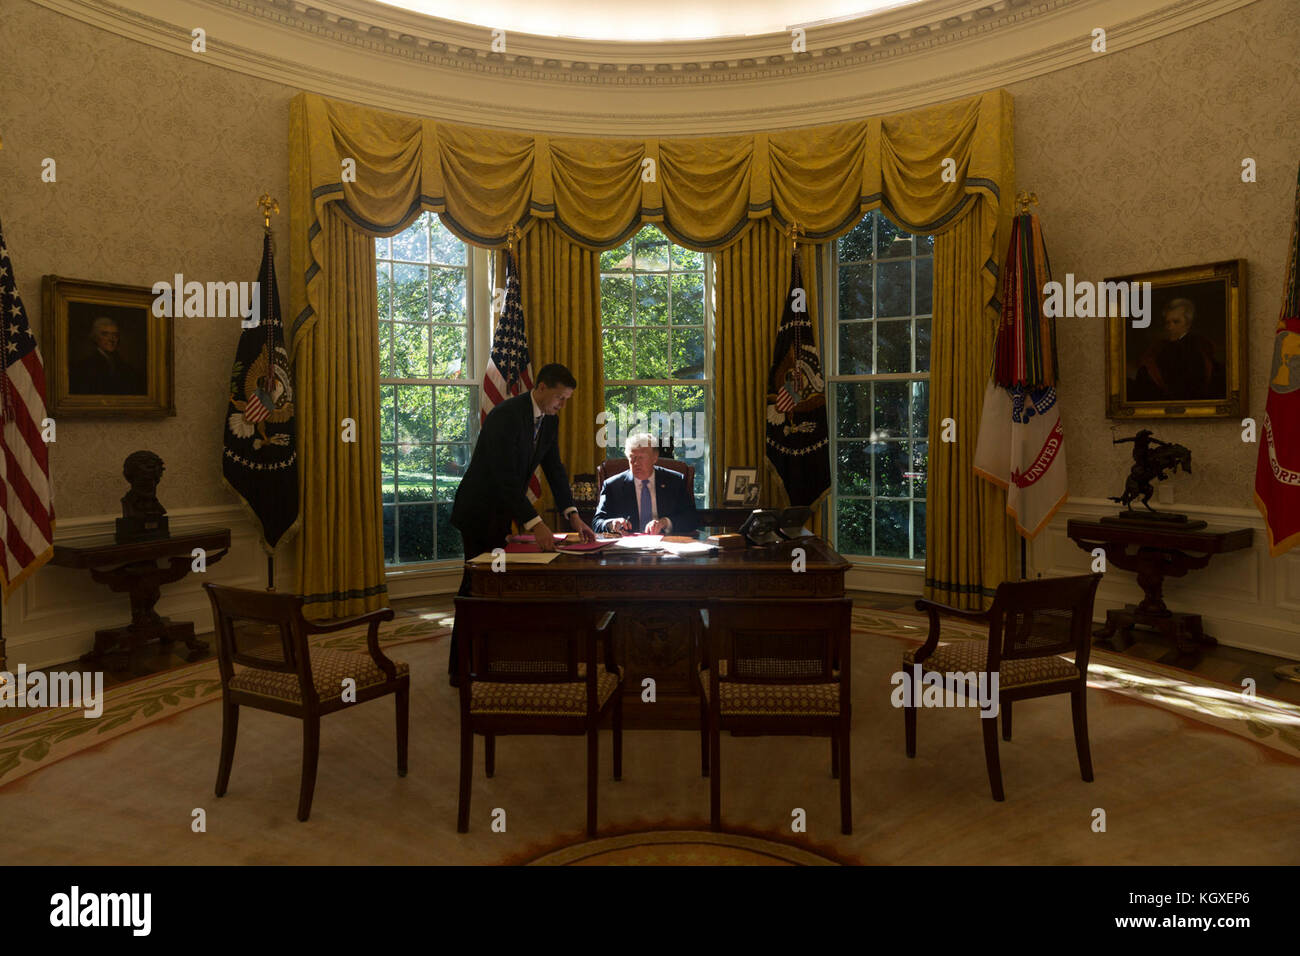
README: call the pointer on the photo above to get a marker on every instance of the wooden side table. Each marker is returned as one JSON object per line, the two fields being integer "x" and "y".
{"x": 135, "y": 569}
{"x": 1155, "y": 554}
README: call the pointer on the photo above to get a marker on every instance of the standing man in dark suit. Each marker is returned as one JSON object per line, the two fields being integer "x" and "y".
{"x": 517, "y": 436}
{"x": 646, "y": 498}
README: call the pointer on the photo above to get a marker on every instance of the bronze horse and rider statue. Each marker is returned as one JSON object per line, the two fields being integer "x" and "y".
{"x": 1153, "y": 460}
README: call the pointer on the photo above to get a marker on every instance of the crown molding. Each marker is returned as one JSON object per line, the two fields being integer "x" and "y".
{"x": 408, "y": 62}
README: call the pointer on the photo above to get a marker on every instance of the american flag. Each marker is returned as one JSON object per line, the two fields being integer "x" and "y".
{"x": 509, "y": 371}
{"x": 25, "y": 499}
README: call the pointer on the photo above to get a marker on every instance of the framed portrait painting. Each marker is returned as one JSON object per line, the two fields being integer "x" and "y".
{"x": 1188, "y": 361}
{"x": 106, "y": 354}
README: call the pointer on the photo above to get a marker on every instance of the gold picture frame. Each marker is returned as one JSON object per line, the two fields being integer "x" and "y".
{"x": 106, "y": 354}
{"x": 1190, "y": 362}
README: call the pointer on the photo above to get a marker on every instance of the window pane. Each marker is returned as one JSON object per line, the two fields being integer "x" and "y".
{"x": 390, "y": 529}
{"x": 452, "y": 410}
{"x": 415, "y": 473}
{"x": 448, "y": 344}
{"x": 893, "y": 346}
{"x": 891, "y": 241}
{"x": 617, "y": 260}
{"x": 383, "y": 285}
{"x": 413, "y": 244}
{"x": 415, "y": 533}
{"x": 924, "y": 285}
{"x": 890, "y": 407}
{"x": 893, "y": 529}
{"x": 920, "y": 409}
{"x": 452, "y": 460}
{"x": 923, "y": 345}
{"x": 856, "y": 246}
{"x": 615, "y": 300}
{"x": 448, "y": 295}
{"x": 853, "y": 527}
{"x": 853, "y": 468}
{"x": 853, "y": 409}
{"x": 388, "y": 472}
{"x": 920, "y": 466}
{"x": 855, "y": 292}
{"x": 652, "y": 354}
{"x": 918, "y": 530}
{"x": 894, "y": 288}
{"x": 410, "y": 293}
{"x": 684, "y": 259}
{"x": 410, "y": 351}
{"x": 651, "y": 250}
{"x": 688, "y": 299}
{"x": 855, "y": 348}
{"x": 891, "y": 463}
{"x": 688, "y": 353}
{"x": 616, "y": 345}
{"x": 385, "y": 349}
{"x": 414, "y": 413}
{"x": 652, "y": 300}
{"x": 449, "y": 542}
{"x": 387, "y": 413}
{"x": 444, "y": 247}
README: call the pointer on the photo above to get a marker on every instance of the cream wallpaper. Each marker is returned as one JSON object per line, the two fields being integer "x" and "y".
{"x": 1136, "y": 160}
{"x": 159, "y": 162}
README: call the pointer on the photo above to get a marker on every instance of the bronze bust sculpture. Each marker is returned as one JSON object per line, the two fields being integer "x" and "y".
{"x": 143, "y": 517}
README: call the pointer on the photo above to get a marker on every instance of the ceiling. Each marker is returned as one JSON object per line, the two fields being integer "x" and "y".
{"x": 641, "y": 20}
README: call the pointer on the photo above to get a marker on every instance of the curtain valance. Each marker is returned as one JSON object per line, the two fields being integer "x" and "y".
{"x": 924, "y": 168}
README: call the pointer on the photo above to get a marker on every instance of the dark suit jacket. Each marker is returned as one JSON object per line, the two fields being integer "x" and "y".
{"x": 618, "y": 499}
{"x": 494, "y": 490}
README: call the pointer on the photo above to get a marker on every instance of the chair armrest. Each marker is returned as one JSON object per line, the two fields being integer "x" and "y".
{"x": 923, "y": 605}
{"x": 382, "y": 614}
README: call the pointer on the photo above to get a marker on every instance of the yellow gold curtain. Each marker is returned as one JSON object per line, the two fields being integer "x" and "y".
{"x": 560, "y": 292}
{"x": 753, "y": 278}
{"x": 969, "y": 539}
{"x": 341, "y": 547}
{"x": 930, "y": 169}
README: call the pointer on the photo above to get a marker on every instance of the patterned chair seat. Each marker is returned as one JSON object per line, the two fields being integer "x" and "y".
{"x": 328, "y": 670}
{"x": 555, "y": 699}
{"x": 763, "y": 700}
{"x": 965, "y": 656}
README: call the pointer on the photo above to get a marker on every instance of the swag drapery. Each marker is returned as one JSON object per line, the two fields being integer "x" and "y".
{"x": 572, "y": 197}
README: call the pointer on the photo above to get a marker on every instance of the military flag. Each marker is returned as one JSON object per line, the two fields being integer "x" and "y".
{"x": 1021, "y": 444}
{"x": 260, "y": 459}
{"x": 26, "y": 499}
{"x": 509, "y": 371}
{"x": 1277, "y": 470}
{"x": 798, "y": 439}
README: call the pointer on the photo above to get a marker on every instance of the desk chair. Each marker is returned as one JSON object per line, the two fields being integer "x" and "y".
{"x": 1030, "y": 624}
{"x": 288, "y": 678}
{"x": 616, "y": 466}
{"x": 530, "y": 667}
{"x": 782, "y": 668}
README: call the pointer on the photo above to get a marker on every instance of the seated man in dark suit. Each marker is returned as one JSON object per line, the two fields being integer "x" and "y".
{"x": 646, "y": 498}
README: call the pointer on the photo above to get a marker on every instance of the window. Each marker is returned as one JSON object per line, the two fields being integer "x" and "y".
{"x": 428, "y": 392}
{"x": 884, "y": 285}
{"x": 656, "y": 322}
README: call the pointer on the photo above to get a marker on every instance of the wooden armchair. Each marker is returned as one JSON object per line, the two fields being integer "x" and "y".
{"x": 1031, "y": 623}
{"x": 530, "y": 667}
{"x": 782, "y": 668}
{"x": 284, "y": 676}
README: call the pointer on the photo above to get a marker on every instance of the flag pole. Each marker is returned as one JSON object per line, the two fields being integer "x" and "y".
{"x": 269, "y": 205}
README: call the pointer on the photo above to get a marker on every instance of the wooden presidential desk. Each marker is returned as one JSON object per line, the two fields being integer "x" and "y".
{"x": 657, "y": 630}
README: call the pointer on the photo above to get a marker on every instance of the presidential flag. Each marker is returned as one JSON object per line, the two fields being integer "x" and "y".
{"x": 509, "y": 371}
{"x": 25, "y": 493}
{"x": 798, "y": 439}
{"x": 260, "y": 459}
{"x": 1277, "y": 471}
{"x": 1021, "y": 444}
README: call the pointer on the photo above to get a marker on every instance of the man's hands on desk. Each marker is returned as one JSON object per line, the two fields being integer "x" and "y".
{"x": 623, "y": 526}
{"x": 545, "y": 538}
